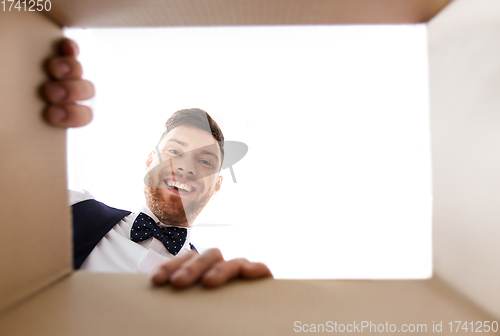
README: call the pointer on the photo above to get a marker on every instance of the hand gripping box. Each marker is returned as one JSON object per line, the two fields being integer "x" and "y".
{"x": 41, "y": 295}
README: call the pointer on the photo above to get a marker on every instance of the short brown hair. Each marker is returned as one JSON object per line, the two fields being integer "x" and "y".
{"x": 198, "y": 118}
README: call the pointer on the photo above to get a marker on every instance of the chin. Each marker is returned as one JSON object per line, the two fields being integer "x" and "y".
{"x": 168, "y": 209}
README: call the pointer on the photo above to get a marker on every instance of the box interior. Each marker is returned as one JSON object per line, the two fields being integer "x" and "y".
{"x": 36, "y": 241}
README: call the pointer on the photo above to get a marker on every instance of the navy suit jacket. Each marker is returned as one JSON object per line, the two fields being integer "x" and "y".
{"x": 91, "y": 221}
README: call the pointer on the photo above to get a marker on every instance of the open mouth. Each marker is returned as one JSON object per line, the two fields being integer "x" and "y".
{"x": 179, "y": 186}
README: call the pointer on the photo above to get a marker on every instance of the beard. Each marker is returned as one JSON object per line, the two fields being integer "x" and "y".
{"x": 170, "y": 209}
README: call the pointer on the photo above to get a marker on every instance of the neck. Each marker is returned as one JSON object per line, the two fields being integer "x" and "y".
{"x": 167, "y": 219}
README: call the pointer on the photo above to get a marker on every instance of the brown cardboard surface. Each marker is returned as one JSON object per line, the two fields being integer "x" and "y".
{"x": 35, "y": 241}
{"x": 119, "y": 304}
{"x": 116, "y": 13}
{"x": 464, "y": 62}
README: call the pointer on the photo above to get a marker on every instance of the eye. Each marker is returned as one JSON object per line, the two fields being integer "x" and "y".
{"x": 205, "y": 162}
{"x": 175, "y": 152}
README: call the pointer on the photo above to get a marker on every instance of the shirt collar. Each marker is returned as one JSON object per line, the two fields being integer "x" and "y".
{"x": 145, "y": 209}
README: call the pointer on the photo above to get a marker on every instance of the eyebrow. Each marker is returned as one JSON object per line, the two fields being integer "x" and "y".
{"x": 178, "y": 141}
{"x": 203, "y": 151}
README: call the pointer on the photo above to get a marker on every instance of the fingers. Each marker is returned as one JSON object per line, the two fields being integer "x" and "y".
{"x": 69, "y": 115}
{"x": 68, "y": 91}
{"x": 209, "y": 267}
{"x": 191, "y": 268}
{"x": 64, "y": 67}
{"x": 253, "y": 270}
{"x": 67, "y": 88}
{"x": 185, "y": 270}
{"x": 69, "y": 48}
{"x": 162, "y": 274}
{"x": 224, "y": 271}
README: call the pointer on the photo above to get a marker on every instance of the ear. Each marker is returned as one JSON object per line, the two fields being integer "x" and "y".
{"x": 149, "y": 159}
{"x": 217, "y": 185}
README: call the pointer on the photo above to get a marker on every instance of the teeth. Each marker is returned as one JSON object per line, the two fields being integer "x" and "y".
{"x": 179, "y": 185}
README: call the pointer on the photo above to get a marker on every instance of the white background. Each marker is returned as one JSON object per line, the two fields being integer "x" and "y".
{"x": 337, "y": 179}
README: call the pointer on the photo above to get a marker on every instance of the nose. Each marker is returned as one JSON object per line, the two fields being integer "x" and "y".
{"x": 185, "y": 165}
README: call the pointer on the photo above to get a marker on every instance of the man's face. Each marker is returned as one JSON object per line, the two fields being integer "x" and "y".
{"x": 190, "y": 159}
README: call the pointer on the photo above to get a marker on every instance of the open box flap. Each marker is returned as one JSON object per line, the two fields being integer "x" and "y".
{"x": 124, "y": 304}
{"x": 464, "y": 71}
{"x": 35, "y": 242}
{"x": 120, "y": 13}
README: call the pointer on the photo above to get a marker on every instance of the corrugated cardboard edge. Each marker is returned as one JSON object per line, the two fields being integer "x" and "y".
{"x": 29, "y": 36}
{"x": 35, "y": 242}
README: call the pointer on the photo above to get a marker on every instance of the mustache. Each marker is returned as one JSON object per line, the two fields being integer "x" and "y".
{"x": 234, "y": 152}
{"x": 156, "y": 176}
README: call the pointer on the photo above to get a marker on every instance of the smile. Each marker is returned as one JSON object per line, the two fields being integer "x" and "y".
{"x": 176, "y": 185}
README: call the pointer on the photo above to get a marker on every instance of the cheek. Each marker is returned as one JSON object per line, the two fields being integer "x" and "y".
{"x": 208, "y": 184}
{"x": 155, "y": 162}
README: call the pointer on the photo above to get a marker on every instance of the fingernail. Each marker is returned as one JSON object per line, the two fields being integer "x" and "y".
{"x": 160, "y": 276}
{"x": 179, "y": 275}
{"x": 211, "y": 274}
{"x": 63, "y": 68}
{"x": 57, "y": 114}
{"x": 57, "y": 92}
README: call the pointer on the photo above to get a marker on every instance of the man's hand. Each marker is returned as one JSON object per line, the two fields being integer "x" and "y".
{"x": 66, "y": 88}
{"x": 209, "y": 267}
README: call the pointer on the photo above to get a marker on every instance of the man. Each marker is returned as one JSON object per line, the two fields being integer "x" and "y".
{"x": 194, "y": 155}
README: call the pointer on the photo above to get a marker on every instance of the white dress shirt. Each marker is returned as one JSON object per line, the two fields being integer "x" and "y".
{"x": 117, "y": 253}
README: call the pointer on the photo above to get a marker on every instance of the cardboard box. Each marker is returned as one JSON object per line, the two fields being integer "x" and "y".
{"x": 39, "y": 293}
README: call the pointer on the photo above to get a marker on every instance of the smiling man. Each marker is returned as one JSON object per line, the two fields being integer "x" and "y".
{"x": 183, "y": 171}
{"x": 182, "y": 174}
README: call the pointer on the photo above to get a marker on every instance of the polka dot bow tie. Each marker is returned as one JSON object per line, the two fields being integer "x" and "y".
{"x": 144, "y": 227}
